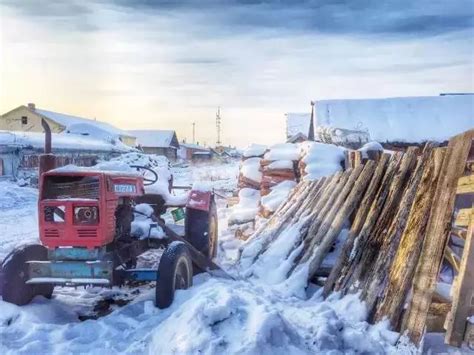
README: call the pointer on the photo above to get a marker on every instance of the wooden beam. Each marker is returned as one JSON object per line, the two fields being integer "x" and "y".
{"x": 436, "y": 233}
{"x": 452, "y": 258}
{"x": 463, "y": 294}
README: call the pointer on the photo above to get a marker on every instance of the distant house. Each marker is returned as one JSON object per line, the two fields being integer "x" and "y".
{"x": 189, "y": 151}
{"x": 394, "y": 122}
{"x": 160, "y": 142}
{"x": 20, "y": 151}
{"x": 299, "y": 127}
{"x": 28, "y": 119}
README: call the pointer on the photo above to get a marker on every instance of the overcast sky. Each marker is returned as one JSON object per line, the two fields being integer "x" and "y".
{"x": 163, "y": 64}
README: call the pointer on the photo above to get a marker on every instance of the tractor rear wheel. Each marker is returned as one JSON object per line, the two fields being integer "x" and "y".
{"x": 201, "y": 229}
{"x": 15, "y": 274}
{"x": 175, "y": 272}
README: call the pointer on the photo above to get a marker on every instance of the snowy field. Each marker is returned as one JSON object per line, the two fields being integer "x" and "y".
{"x": 215, "y": 316}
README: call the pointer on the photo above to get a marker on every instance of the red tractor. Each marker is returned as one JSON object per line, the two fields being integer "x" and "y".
{"x": 85, "y": 220}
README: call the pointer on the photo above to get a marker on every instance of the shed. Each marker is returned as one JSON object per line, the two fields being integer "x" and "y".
{"x": 394, "y": 122}
{"x": 160, "y": 142}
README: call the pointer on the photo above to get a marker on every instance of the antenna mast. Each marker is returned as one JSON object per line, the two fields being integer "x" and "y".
{"x": 218, "y": 125}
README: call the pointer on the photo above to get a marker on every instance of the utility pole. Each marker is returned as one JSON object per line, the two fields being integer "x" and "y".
{"x": 218, "y": 126}
{"x": 194, "y": 132}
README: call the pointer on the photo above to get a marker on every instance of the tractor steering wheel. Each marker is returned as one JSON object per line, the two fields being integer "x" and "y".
{"x": 147, "y": 181}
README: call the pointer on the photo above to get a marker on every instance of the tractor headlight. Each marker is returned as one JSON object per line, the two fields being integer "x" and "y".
{"x": 86, "y": 215}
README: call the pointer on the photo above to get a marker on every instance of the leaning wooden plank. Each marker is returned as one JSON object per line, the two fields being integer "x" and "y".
{"x": 465, "y": 185}
{"x": 452, "y": 258}
{"x": 332, "y": 232}
{"x": 373, "y": 284}
{"x": 346, "y": 275}
{"x": 376, "y": 238}
{"x": 334, "y": 200}
{"x": 362, "y": 212}
{"x": 406, "y": 257}
{"x": 463, "y": 296}
{"x": 436, "y": 233}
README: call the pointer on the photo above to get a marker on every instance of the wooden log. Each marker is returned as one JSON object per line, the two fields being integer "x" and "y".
{"x": 332, "y": 209}
{"x": 374, "y": 282}
{"x": 364, "y": 267}
{"x": 437, "y": 231}
{"x": 463, "y": 294}
{"x": 346, "y": 276}
{"x": 334, "y": 222}
{"x": 347, "y": 179}
{"x": 403, "y": 266}
{"x": 357, "y": 224}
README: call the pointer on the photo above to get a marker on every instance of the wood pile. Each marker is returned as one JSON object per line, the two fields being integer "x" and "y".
{"x": 400, "y": 208}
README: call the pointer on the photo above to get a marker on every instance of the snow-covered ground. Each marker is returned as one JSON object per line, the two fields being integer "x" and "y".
{"x": 215, "y": 316}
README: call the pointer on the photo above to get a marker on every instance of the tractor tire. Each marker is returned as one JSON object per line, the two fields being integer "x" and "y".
{"x": 175, "y": 272}
{"x": 201, "y": 229}
{"x": 15, "y": 273}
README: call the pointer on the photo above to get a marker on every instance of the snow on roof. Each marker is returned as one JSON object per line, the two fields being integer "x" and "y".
{"x": 194, "y": 146}
{"x": 297, "y": 123}
{"x": 59, "y": 141}
{"x": 400, "y": 119}
{"x": 154, "y": 138}
{"x": 81, "y": 125}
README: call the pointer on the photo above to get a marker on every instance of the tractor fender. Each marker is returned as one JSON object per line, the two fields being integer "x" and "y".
{"x": 200, "y": 200}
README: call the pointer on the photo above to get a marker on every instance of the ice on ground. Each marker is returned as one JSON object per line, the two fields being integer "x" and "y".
{"x": 247, "y": 208}
{"x": 250, "y": 168}
{"x": 254, "y": 150}
{"x": 283, "y": 151}
{"x": 277, "y": 195}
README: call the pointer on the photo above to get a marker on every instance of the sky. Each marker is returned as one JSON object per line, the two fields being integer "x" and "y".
{"x": 142, "y": 64}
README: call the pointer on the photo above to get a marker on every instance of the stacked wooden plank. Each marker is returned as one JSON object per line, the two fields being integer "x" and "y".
{"x": 400, "y": 207}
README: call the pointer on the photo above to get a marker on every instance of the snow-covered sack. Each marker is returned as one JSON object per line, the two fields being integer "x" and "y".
{"x": 254, "y": 150}
{"x": 320, "y": 159}
{"x": 283, "y": 151}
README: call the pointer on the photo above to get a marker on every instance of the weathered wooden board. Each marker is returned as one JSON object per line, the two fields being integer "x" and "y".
{"x": 436, "y": 233}
{"x": 463, "y": 293}
{"x": 406, "y": 257}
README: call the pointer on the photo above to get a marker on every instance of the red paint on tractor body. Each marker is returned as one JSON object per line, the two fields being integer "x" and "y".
{"x": 58, "y": 225}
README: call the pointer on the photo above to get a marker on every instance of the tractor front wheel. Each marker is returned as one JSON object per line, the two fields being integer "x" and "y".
{"x": 175, "y": 272}
{"x": 15, "y": 274}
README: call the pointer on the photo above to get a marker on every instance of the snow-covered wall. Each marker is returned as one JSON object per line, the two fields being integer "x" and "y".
{"x": 400, "y": 119}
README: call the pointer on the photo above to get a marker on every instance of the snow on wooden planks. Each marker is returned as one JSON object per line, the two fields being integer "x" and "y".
{"x": 400, "y": 208}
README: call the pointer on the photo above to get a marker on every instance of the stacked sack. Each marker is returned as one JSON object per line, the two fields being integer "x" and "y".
{"x": 279, "y": 176}
{"x": 320, "y": 159}
{"x": 278, "y": 165}
{"x": 250, "y": 175}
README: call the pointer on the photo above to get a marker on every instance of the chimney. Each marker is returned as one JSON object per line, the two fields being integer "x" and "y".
{"x": 31, "y": 106}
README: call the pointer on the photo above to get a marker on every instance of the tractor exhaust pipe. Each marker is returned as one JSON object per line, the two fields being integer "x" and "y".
{"x": 47, "y": 160}
{"x": 47, "y": 132}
